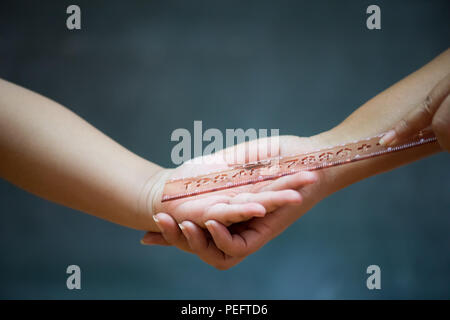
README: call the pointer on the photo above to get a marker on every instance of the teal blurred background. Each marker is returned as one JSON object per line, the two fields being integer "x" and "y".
{"x": 137, "y": 70}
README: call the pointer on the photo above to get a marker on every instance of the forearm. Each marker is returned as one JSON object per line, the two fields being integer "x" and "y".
{"x": 379, "y": 115}
{"x": 51, "y": 152}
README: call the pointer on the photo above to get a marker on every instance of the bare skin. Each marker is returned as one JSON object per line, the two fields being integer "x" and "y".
{"x": 51, "y": 152}
{"x": 434, "y": 112}
{"x": 229, "y": 246}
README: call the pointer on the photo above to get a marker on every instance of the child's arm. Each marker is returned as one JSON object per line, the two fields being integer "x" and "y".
{"x": 48, "y": 150}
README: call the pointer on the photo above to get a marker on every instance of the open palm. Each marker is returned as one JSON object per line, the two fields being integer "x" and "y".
{"x": 225, "y": 246}
{"x": 234, "y": 205}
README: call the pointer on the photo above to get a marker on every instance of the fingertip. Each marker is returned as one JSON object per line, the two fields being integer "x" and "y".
{"x": 388, "y": 138}
{"x": 164, "y": 221}
{"x": 184, "y": 229}
{"x": 256, "y": 209}
{"x": 217, "y": 230}
{"x": 290, "y": 194}
{"x": 145, "y": 240}
{"x": 161, "y": 217}
{"x": 303, "y": 178}
{"x": 188, "y": 228}
{"x": 159, "y": 221}
{"x": 187, "y": 225}
{"x": 309, "y": 176}
{"x": 152, "y": 238}
{"x": 210, "y": 224}
{"x": 293, "y": 196}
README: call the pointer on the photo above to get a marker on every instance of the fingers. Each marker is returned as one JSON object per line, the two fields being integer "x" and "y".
{"x": 225, "y": 250}
{"x": 251, "y": 151}
{"x": 252, "y": 235}
{"x": 271, "y": 200}
{"x": 170, "y": 231}
{"x": 245, "y": 206}
{"x": 420, "y": 117}
{"x": 189, "y": 237}
{"x": 294, "y": 182}
{"x": 205, "y": 248}
{"x": 232, "y": 213}
{"x": 154, "y": 238}
{"x": 236, "y": 245}
{"x": 441, "y": 124}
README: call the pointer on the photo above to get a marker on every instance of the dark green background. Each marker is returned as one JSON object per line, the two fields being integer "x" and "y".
{"x": 140, "y": 69}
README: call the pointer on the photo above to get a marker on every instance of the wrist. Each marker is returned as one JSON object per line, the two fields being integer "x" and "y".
{"x": 333, "y": 179}
{"x": 293, "y": 145}
{"x": 150, "y": 198}
{"x": 156, "y": 191}
{"x": 336, "y": 178}
{"x": 328, "y": 176}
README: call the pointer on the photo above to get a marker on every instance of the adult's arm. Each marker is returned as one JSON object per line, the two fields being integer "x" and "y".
{"x": 379, "y": 115}
{"x": 434, "y": 112}
{"x": 230, "y": 246}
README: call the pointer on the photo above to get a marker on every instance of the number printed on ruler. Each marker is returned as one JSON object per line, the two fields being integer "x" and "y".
{"x": 274, "y": 168}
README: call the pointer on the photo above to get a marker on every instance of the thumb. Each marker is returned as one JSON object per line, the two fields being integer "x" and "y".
{"x": 420, "y": 117}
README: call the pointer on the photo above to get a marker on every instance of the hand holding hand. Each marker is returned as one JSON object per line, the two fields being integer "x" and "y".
{"x": 231, "y": 205}
{"x": 225, "y": 247}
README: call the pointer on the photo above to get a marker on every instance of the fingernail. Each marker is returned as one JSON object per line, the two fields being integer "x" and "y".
{"x": 208, "y": 223}
{"x": 143, "y": 240}
{"x": 155, "y": 218}
{"x": 184, "y": 230}
{"x": 388, "y": 138}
